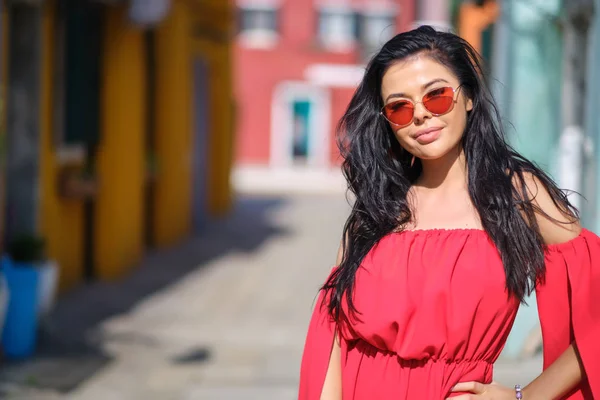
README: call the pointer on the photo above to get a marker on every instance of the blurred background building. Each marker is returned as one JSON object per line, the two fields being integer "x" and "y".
{"x": 117, "y": 130}
{"x": 297, "y": 66}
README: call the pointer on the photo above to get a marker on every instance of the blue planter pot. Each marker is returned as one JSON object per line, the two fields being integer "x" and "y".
{"x": 4, "y": 296}
{"x": 20, "y": 331}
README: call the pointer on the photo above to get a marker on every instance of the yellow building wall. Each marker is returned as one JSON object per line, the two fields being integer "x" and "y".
{"x": 215, "y": 20}
{"x": 61, "y": 221}
{"x": 121, "y": 159}
{"x": 119, "y": 209}
{"x": 173, "y": 127}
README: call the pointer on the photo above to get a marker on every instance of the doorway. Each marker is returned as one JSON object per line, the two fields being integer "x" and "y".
{"x": 301, "y": 110}
{"x": 83, "y": 36}
{"x": 300, "y": 126}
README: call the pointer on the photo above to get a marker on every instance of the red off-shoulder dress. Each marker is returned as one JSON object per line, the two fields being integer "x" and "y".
{"x": 434, "y": 312}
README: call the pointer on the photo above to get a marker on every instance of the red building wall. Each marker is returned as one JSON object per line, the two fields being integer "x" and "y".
{"x": 257, "y": 72}
{"x": 339, "y": 99}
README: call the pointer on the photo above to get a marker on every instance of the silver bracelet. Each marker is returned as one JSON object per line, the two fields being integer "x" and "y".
{"x": 518, "y": 392}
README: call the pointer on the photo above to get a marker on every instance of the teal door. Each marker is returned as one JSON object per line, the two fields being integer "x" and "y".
{"x": 301, "y": 131}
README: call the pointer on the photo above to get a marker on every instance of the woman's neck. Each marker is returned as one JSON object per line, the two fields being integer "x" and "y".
{"x": 447, "y": 171}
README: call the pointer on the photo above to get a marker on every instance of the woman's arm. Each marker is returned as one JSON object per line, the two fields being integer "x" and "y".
{"x": 558, "y": 379}
{"x": 332, "y": 388}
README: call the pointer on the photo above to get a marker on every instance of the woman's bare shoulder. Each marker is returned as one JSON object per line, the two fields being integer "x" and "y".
{"x": 556, "y": 224}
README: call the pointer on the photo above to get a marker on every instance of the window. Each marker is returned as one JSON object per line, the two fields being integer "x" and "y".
{"x": 337, "y": 28}
{"x": 376, "y": 28}
{"x": 258, "y": 25}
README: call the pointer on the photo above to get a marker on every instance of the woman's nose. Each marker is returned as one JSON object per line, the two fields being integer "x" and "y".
{"x": 421, "y": 114}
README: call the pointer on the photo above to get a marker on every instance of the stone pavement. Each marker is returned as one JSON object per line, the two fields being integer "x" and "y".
{"x": 222, "y": 316}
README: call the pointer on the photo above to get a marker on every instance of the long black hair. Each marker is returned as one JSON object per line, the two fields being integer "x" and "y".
{"x": 379, "y": 173}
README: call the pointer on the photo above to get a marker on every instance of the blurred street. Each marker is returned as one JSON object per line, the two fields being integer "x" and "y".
{"x": 222, "y": 316}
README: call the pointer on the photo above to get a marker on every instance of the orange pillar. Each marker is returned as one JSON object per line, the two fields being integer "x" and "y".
{"x": 173, "y": 124}
{"x": 119, "y": 219}
{"x": 61, "y": 220}
{"x": 474, "y": 19}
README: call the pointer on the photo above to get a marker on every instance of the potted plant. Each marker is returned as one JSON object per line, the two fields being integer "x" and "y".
{"x": 32, "y": 283}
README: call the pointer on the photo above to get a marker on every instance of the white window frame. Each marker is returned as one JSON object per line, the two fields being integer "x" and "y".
{"x": 259, "y": 38}
{"x": 338, "y": 44}
{"x": 387, "y": 11}
{"x": 282, "y": 124}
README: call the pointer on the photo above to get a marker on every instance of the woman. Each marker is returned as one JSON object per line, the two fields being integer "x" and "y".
{"x": 451, "y": 229}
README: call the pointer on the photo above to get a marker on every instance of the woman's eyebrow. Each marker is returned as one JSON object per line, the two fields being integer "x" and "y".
{"x": 425, "y": 86}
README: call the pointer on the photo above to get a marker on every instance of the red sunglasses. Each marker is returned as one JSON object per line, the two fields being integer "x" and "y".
{"x": 438, "y": 102}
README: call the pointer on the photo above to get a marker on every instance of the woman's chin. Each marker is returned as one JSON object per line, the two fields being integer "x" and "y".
{"x": 431, "y": 156}
{"x": 434, "y": 151}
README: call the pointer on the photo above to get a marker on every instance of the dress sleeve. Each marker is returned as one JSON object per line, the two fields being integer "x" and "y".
{"x": 317, "y": 352}
{"x": 569, "y": 307}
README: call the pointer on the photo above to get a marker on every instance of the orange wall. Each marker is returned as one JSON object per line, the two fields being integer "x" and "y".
{"x": 473, "y": 20}
{"x": 218, "y": 18}
{"x": 121, "y": 154}
{"x": 173, "y": 122}
{"x": 61, "y": 221}
{"x": 221, "y": 124}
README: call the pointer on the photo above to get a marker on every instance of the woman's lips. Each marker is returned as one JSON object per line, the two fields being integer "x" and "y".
{"x": 428, "y": 135}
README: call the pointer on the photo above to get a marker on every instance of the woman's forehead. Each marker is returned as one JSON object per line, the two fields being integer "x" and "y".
{"x": 410, "y": 76}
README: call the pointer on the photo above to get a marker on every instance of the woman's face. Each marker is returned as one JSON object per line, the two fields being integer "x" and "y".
{"x": 427, "y": 136}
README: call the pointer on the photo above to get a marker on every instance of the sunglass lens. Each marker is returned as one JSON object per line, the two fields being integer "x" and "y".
{"x": 439, "y": 101}
{"x": 399, "y": 112}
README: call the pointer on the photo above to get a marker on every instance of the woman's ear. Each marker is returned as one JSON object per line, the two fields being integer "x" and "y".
{"x": 469, "y": 105}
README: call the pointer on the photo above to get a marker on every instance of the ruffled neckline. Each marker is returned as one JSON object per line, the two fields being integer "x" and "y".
{"x": 478, "y": 231}
{"x": 432, "y": 231}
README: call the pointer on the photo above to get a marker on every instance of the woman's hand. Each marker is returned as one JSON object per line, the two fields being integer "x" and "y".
{"x": 482, "y": 391}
